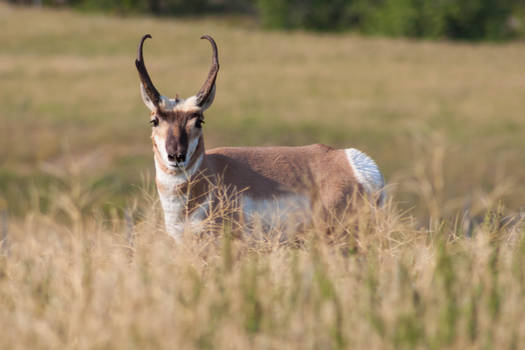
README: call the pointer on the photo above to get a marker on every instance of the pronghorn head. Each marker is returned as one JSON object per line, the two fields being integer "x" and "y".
{"x": 176, "y": 122}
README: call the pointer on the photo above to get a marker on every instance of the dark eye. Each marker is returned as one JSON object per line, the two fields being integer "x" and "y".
{"x": 198, "y": 123}
{"x": 154, "y": 122}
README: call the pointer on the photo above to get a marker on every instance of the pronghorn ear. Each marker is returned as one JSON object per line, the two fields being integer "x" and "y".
{"x": 205, "y": 104}
{"x": 146, "y": 99}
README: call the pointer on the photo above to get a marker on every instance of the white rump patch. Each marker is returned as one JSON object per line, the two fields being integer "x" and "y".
{"x": 366, "y": 172}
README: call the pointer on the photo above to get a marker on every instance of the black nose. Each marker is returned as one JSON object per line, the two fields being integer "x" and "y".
{"x": 176, "y": 157}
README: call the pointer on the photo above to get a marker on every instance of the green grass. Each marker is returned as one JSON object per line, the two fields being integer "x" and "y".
{"x": 70, "y": 91}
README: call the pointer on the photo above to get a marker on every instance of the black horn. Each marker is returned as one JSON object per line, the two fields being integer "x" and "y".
{"x": 206, "y": 90}
{"x": 151, "y": 91}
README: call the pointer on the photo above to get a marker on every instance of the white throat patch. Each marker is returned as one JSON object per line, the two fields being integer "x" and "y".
{"x": 174, "y": 203}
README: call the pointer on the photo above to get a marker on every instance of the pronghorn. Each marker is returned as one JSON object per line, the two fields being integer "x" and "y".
{"x": 268, "y": 181}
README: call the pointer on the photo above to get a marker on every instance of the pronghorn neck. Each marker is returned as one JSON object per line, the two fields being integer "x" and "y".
{"x": 181, "y": 191}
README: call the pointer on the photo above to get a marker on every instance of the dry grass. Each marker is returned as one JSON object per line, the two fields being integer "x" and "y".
{"x": 84, "y": 260}
{"x": 69, "y": 280}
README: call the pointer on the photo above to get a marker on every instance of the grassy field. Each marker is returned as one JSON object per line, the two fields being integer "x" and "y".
{"x": 85, "y": 262}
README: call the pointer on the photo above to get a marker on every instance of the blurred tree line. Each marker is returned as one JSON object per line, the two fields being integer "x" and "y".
{"x": 454, "y": 19}
{"x": 155, "y": 7}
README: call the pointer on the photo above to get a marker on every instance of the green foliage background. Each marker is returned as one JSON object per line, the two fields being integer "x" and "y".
{"x": 466, "y": 19}
{"x": 436, "y": 19}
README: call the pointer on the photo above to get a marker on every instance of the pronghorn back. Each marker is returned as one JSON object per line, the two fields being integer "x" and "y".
{"x": 314, "y": 170}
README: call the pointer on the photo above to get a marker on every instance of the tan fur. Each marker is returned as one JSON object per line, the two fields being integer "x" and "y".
{"x": 317, "y": 171}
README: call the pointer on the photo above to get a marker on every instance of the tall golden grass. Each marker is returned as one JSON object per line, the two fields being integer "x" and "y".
{"x": 76, "y": 279}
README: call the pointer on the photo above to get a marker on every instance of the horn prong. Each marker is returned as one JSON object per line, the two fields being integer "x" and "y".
{"x": 150, "y": 89}
{"x": 207, "y": 87}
